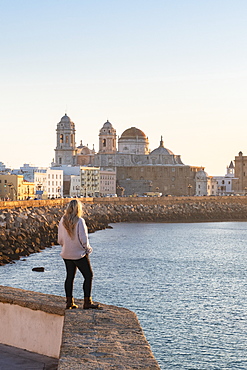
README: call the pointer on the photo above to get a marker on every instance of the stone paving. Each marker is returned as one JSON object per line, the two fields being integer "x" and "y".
{"x": 111, "y": 338}
{"x": 12, "y": 358}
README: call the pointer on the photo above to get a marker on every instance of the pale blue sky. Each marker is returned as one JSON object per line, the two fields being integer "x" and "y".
{"x": 175, "y": 68}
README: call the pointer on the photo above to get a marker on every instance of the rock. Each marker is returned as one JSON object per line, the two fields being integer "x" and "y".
{"x": 38, "y": 269}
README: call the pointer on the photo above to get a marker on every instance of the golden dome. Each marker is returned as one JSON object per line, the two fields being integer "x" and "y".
{"x": 133, "y": 133}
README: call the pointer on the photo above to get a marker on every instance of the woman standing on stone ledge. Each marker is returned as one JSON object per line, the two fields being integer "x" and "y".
{"x": 73, "y": 237}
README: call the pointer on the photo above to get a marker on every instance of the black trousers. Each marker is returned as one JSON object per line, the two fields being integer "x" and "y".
{"x": 84, "y": 266}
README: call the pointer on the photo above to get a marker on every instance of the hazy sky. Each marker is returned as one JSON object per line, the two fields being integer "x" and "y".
{"x": 176, "y": 68}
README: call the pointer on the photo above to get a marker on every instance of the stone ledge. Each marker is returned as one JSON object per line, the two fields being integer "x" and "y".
{"x": 111, "y": 338}
{"x": 35, "y": 301}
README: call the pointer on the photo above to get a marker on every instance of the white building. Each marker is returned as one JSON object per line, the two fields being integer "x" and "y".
{"x": 215, "y": 185}
{"x": 90, "y": 180}
{"x": 225, "y": 183}
{"x": 81, "y": 181}
{"x": 48, "y": 183}
{"x": 75, "y": 186}
{"x": 202, "y": 183}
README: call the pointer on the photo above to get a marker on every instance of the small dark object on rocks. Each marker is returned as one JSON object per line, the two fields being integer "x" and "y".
{"x": 39, "y": 269}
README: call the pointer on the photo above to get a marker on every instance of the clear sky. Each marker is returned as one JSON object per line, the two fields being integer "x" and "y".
{"x": 176, "y": 68}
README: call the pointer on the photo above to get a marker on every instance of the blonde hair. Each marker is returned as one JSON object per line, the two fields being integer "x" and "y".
{"x": 72, "y": 214}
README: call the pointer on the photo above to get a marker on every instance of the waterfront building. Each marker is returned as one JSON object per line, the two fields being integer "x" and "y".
{"x": 15, "y": 187}
{"x": 215, "y": 185}
{"x": 75, "y": 186}
{"x": 80, "y": 181}
{"x": 107, "y": 182}
{"x": 205, "y": 185}
{"x": 138, "y": 169}
{"x": 90, "y": 181}
{"x": 48, "y": 183}
{"x": 240, "y": 181}
{"x": 225, "y": 184}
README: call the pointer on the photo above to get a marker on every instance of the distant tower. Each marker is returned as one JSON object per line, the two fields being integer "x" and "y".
{"x": 230, "y": 170}
{"x": 107, "y": 139}
{"x": 66, "y": 149}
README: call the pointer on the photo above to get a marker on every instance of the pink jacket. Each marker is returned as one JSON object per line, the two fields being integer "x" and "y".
{"x": 76, "y": 247}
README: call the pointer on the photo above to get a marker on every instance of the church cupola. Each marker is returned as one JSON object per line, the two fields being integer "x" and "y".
{"x": 66, "y": 148}
{"x": 107, "y": 139}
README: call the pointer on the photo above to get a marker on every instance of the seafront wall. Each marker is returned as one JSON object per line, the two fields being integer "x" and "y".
{"x": 30, "y": 226}
{"x": 111, "y": 338}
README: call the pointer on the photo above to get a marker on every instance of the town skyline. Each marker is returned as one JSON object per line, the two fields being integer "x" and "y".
{"x": 176, "y": 70}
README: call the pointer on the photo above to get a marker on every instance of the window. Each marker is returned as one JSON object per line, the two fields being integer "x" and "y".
{"x": 104, "y": 142}
{"x": 61, "y": 138}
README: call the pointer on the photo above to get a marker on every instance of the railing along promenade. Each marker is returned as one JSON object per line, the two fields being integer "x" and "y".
{"x": 126, "y": 201}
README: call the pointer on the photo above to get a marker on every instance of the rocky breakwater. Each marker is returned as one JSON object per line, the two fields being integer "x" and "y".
{"x": 31, "y": 229}
{"x": 184, "y": 211}
{"x": 26, "y": 230}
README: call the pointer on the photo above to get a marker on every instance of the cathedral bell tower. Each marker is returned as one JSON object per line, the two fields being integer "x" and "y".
{"x": 107, "y": 139}
{"x": 66, "y": 150}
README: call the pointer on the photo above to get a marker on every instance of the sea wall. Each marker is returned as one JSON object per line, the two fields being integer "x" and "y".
{"x": 111, "y": 338}
{"x": 29, "y": 227}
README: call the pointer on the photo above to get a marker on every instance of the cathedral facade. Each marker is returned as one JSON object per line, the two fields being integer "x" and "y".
{"x": 139, "y": 170}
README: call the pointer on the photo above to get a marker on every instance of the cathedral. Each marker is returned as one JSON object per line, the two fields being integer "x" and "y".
{"x": 139, "y": 170}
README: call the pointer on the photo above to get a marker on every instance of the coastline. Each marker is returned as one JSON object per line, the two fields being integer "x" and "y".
{"x": 29, "y": 227}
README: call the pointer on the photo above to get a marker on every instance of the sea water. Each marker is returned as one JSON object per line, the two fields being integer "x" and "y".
{"x": 187, "y": 283}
